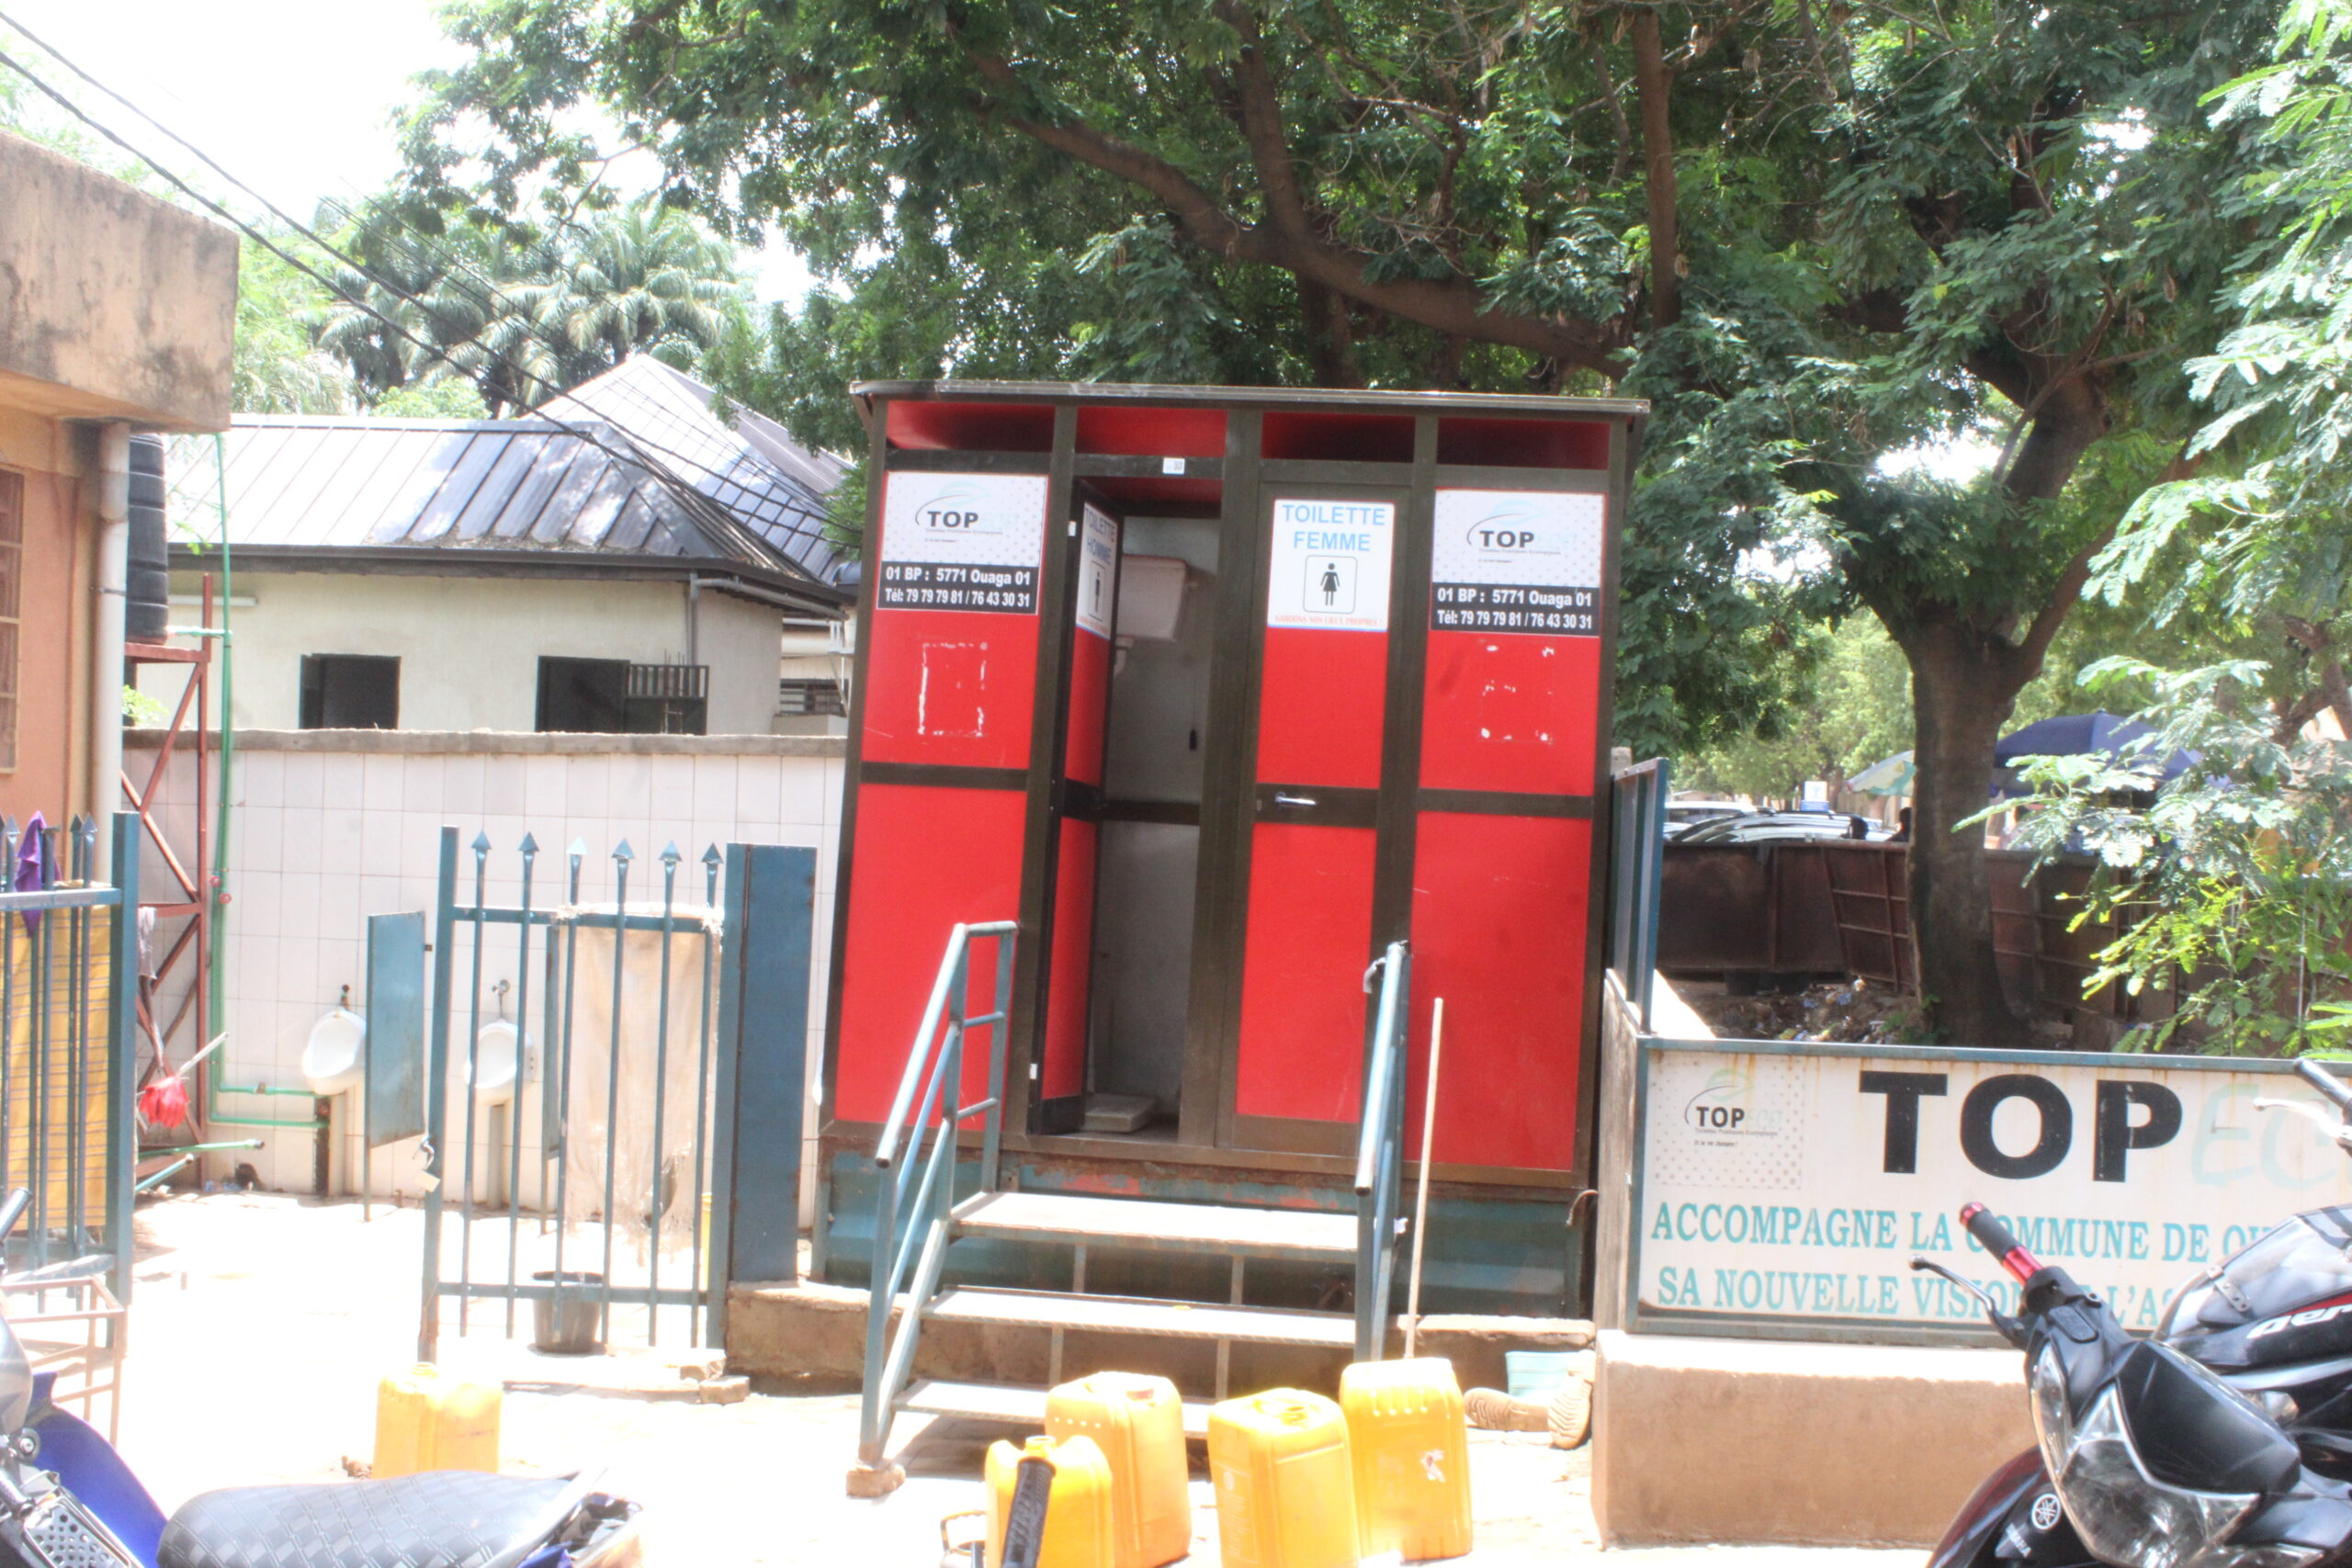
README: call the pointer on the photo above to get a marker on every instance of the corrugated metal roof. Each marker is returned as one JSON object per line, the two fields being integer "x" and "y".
{"x": 634, "y": 463}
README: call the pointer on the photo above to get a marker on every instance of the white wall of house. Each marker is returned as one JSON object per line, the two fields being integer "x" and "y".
{"x": 469, "y": 646}
{"x": 321, "y": 837}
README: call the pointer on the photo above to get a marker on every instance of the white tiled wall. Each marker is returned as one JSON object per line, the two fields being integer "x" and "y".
{"x": 320, "y": 841}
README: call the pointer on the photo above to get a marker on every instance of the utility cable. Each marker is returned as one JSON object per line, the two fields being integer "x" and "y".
{"x": 448, "y": 264}
{"x": 703, "y": 509}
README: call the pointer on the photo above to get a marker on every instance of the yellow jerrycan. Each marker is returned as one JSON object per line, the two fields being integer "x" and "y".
{"x": 429, "y": 1419}
{"x": 1411, "y": 1448}
{"x": 1285, "y": 1489}
{"x": 1138, "y": 1423}
{"x": 1078, "y": 1509}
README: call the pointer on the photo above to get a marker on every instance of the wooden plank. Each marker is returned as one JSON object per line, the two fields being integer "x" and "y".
{"x": 1014, "y": 1404}
{"x": 1150, "y": 1225}
{"x": 1130, "y": 1314}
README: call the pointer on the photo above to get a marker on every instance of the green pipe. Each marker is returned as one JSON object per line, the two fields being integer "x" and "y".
{"x": 163, "y": 1175}
{"x": 217, "y": 1000}
{"x": 198, "y": 1148}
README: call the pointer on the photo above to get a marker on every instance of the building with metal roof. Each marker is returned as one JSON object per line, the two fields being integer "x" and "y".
{"x": 461, "y": 574}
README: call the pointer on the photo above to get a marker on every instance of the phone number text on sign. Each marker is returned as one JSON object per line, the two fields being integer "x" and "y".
{"x": 917, "y": 586}
{"x": 1480, "y": 607}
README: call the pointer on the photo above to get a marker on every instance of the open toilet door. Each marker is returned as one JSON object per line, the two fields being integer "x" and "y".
{"x": 1074, "y": 804}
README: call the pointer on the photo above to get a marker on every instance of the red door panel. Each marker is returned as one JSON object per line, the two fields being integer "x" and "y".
{"x": 923, "y": 860}
{"x": 1301, "y": 1047}
{"x": 1510, "y": 711}
{"x": 950, "y": 687}
{"x": 1090, "y": 696}
{"x": 1319, "y": 712}
{"x": 1071, "y": 962}
{"x": 1499, "y": 909}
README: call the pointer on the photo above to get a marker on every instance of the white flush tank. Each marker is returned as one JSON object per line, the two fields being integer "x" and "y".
{"x": 331, "y": 1057}
{"x": 497, "y": 1062}
{"x": 1151, "y": 597}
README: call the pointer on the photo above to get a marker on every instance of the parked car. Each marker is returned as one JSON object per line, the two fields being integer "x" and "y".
{"x": 1683, "y": 815}
{"x": 1780, "y": 826}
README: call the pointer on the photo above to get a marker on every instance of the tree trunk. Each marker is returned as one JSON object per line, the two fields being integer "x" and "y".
{"x": 1962, "y": 691}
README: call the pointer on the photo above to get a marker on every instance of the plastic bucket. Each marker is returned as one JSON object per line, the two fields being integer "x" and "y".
{"x": 1535, "y": 1374}
{"x": 566, "y": 1327}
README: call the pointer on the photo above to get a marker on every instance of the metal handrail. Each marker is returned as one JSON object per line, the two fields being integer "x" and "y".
{"x": 1380, "y": 1151}
{"x": 935, "y": 1063}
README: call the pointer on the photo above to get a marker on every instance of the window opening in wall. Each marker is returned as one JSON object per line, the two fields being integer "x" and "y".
{"x": 612, "y": 696}
{"x": 12, "y": 556}
{"x": 808, "y": 698}
{"x": 667, "y": 699}
{"x": 350, "y": 690}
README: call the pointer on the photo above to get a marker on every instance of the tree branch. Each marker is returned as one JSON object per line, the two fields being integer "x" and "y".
{"x": 1451, "y": 305}
{"x": 1652, "y": 89}
{"x": 1622, "y": 164}
{"x": 2333, "y": 689}
{"x": 1261, "y": 125}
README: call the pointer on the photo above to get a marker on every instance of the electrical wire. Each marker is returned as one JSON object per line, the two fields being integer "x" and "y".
{"x": 707, "y": 514}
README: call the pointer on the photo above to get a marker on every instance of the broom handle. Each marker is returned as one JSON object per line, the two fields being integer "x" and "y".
{"x": 1422, "y": 1198}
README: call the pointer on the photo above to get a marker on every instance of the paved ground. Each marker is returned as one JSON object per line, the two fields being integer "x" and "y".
{"x": 262, "y": 1322}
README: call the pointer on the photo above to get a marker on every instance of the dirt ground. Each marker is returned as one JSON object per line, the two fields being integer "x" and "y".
{"x": 262, "y": 1321}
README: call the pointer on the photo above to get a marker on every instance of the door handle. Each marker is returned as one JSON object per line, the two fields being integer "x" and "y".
{"x": 1282, "y": 799}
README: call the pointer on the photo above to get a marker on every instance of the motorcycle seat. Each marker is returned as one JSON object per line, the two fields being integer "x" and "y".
{"x": 448, "y": 1518}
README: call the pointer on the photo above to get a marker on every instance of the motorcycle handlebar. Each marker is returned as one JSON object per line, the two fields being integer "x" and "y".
{"x": 2337, "y": 1091}
{"x": 2000, "y": 1241}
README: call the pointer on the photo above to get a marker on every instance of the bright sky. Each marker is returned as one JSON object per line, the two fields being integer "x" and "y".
{"x": 292, "y": 96}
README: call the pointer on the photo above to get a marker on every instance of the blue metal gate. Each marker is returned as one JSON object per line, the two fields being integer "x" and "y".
{"x": 607, "y": 1045}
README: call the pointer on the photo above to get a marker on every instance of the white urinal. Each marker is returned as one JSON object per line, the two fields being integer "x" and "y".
{"x": 331, "y": 1061}
{"x": 496, "y": 1063}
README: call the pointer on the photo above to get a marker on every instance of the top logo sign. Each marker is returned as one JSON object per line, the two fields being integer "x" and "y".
{"x": 1516, "y": 561}
{"x": 961, "y": 542}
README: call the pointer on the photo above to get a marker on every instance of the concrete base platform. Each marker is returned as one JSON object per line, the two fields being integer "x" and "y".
{"x": 809, "y": 1329}
{"x": 1753, "y": 1441}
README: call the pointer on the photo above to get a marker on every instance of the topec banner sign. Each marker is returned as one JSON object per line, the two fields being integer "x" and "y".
{"x": 1783, "y": 1188}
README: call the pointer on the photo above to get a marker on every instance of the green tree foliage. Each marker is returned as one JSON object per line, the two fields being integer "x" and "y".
{"x": 524, "y": 316}
{"x": 1858, "y": 712}
{"x": 2232, "y": 885}
{"x": 279, "y": 367}
{"x": 2255, "y": 552}
{"x": 2239, "y": 875}
{"x": 1812, "y": 237}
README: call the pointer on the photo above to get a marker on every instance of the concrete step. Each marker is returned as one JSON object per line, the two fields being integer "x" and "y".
{"x": 1011, "y": 1404}
{"x": 1147, "y": 1225}
{"x": 1134, "y": 1314}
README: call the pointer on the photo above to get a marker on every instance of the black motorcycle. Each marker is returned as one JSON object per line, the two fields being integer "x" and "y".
{"x": 2224, "y": 1441}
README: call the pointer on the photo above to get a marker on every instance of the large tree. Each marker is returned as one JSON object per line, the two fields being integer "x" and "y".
{"x": 1817, "y": 237}
{"x": 525, "y": 313}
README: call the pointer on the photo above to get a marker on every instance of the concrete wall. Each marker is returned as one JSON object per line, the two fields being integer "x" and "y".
{"x": 1744, "y": 1442}
{"x": 113, "y": 304}
{"x": 469, "y": 646}
{"x": 59, "y": 566}
{"x": 328, "y": 827}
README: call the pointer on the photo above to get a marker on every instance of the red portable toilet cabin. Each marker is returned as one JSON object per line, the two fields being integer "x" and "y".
{"x": 1217, "y": 691}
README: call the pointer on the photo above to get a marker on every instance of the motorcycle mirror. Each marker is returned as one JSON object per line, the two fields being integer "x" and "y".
{"x": 2338, "y": 1132}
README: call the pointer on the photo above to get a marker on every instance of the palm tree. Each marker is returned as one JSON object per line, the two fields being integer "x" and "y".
{"x": 645, "y": 279}
{"x": 528, "y": 319}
